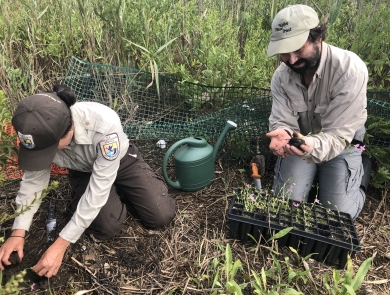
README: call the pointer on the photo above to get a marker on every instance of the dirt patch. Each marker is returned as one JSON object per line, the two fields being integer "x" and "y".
{"x": 143, "y": 261}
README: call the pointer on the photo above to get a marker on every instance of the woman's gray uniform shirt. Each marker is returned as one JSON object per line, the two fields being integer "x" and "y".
{"x": 97, "y": 146}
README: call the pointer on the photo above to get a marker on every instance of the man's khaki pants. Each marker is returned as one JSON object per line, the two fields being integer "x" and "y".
{"x": 339, "y": 181}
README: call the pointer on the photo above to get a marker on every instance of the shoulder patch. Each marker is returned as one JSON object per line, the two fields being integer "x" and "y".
{"x": 26, "y": 140}
{"x": 109, "y": 146}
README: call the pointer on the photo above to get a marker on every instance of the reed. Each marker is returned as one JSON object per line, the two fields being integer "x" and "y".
{"x": 219, "y": 42}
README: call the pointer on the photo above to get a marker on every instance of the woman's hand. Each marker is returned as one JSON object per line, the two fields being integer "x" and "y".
{"x": 51, "y": 260}
{"x": 14, "y": 243}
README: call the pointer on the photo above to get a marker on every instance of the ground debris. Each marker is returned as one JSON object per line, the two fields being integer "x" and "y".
{"x": 144, "y": 261}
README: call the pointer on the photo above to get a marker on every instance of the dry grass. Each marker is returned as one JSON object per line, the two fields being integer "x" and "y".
{"x": 166, "y": 261}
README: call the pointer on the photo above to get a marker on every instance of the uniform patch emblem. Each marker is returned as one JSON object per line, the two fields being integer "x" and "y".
{"x": 109, "y": 146}
{"x": 26, "y": 140}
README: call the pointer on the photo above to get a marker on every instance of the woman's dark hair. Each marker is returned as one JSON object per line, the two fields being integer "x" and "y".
{"x": 65, "y": 93}
{"x": 318, "y": 32}
{"x": 69, "y": 98}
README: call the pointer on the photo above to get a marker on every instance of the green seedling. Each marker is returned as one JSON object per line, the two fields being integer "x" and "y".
{"x": 349, "y": 282}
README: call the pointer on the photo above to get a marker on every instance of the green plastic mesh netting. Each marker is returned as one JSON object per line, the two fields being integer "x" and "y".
{"x": 378, "y": 123}
{"x": 182, "y": 109}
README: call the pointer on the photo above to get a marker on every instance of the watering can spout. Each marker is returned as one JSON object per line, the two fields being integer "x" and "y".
{"x": 230, "y": 125}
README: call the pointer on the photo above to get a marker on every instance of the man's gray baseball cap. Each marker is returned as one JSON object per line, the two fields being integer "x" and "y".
{"x": 290, "y": 28}
{"x": 40, "y": 121}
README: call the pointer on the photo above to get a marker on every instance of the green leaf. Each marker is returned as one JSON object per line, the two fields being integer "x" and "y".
{"x": 290, "y": 291}
{"x": 139, "y": 46}
{"x": 336, "y": 277}
{"x": 257, "y": 279}
{"x": 349, "y": 289}
{"x": 233, "y": 287}
{"x": 350, "y": 269}
{"x": 296, "y": 253}
{"x": 280, "y": 234}
{"x": 277, "y": 263}
{"x": 291, "y": 275}
{"x": 236, "y": 266}
{"x": 216, "y": 280}
{"x": 361, "y": 273}
{"x": 42, "y": 13}
{"x": 165, "y": 45}
{"x": 271, "y": 272}
{"x": 215, "y": 262}
{"x": 253, "y": 238}
{"x": 264, "y": 278}
{"x": 228, "y": 260}
{"x": 308, "y": 256}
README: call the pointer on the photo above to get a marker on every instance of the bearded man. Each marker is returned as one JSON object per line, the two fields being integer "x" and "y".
{"x": 319, "y": 96}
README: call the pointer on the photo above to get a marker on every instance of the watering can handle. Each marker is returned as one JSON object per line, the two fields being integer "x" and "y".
{"x": 195, "y": 142}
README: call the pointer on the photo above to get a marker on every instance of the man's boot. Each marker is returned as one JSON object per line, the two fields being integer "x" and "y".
{"x": 367, "y": 167}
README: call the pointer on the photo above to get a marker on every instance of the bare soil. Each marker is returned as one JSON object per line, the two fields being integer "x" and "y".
{"x": 167, "y": 261}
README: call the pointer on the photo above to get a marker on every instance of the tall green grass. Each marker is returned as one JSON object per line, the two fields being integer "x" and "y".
{"x": 218, "y": 42}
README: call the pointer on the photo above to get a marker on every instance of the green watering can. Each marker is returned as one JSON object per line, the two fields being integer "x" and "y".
{"x": 194, "y": 161}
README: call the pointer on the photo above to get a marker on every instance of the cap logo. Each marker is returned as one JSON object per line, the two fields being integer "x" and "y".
{"x": 285, "y": 30}
{"x": 26, "y": 140}
{"x": 109, "y": 146}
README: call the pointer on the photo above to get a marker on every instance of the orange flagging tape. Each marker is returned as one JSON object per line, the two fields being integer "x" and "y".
{"x": 13, "y": 172}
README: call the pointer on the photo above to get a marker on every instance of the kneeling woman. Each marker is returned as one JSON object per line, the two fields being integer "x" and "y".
{"x": 88, "y": 139}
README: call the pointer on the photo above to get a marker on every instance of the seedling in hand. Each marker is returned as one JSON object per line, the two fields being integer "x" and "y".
{"x": 297, "y": 142}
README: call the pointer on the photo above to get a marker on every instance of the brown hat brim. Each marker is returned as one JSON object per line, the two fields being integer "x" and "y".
{"x": 32, "y": 160}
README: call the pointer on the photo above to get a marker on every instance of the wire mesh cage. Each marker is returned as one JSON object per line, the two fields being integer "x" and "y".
{"x": 178, "y": 110}
{"x": 175, "y": 110}
{"x": 378, "y": 123}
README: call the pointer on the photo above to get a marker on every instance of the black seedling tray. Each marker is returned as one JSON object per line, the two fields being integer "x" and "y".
{"x": 330, "y": 234}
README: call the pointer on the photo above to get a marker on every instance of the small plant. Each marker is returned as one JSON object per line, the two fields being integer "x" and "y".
{"x": 349, "y": 282}
{"x": 280, "y": 206}
{"x": 314, "y": 227}
{"x": 5, "y": 216}
{"x": 268, "y": 203}
{"x": 278, "y": 274}
{"x": 260, "y": 284}
{"x": 223, "y": 275}
{"x": 12, "y": 286}
{"x": 251, "y": 198}
{"x": 230, "y": 269}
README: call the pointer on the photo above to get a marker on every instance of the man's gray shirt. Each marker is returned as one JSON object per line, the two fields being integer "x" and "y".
{"x": 331, "y": 110}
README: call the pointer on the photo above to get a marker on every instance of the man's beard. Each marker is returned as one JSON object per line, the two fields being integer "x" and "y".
{"x": 311, "y": 62}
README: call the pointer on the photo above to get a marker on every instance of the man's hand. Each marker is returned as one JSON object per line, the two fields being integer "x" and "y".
{"x": 14, "y": 243}
{"x": 292, "y": 150}
{"x": 51, "y": 260}
{"x": 279, "y": 139}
